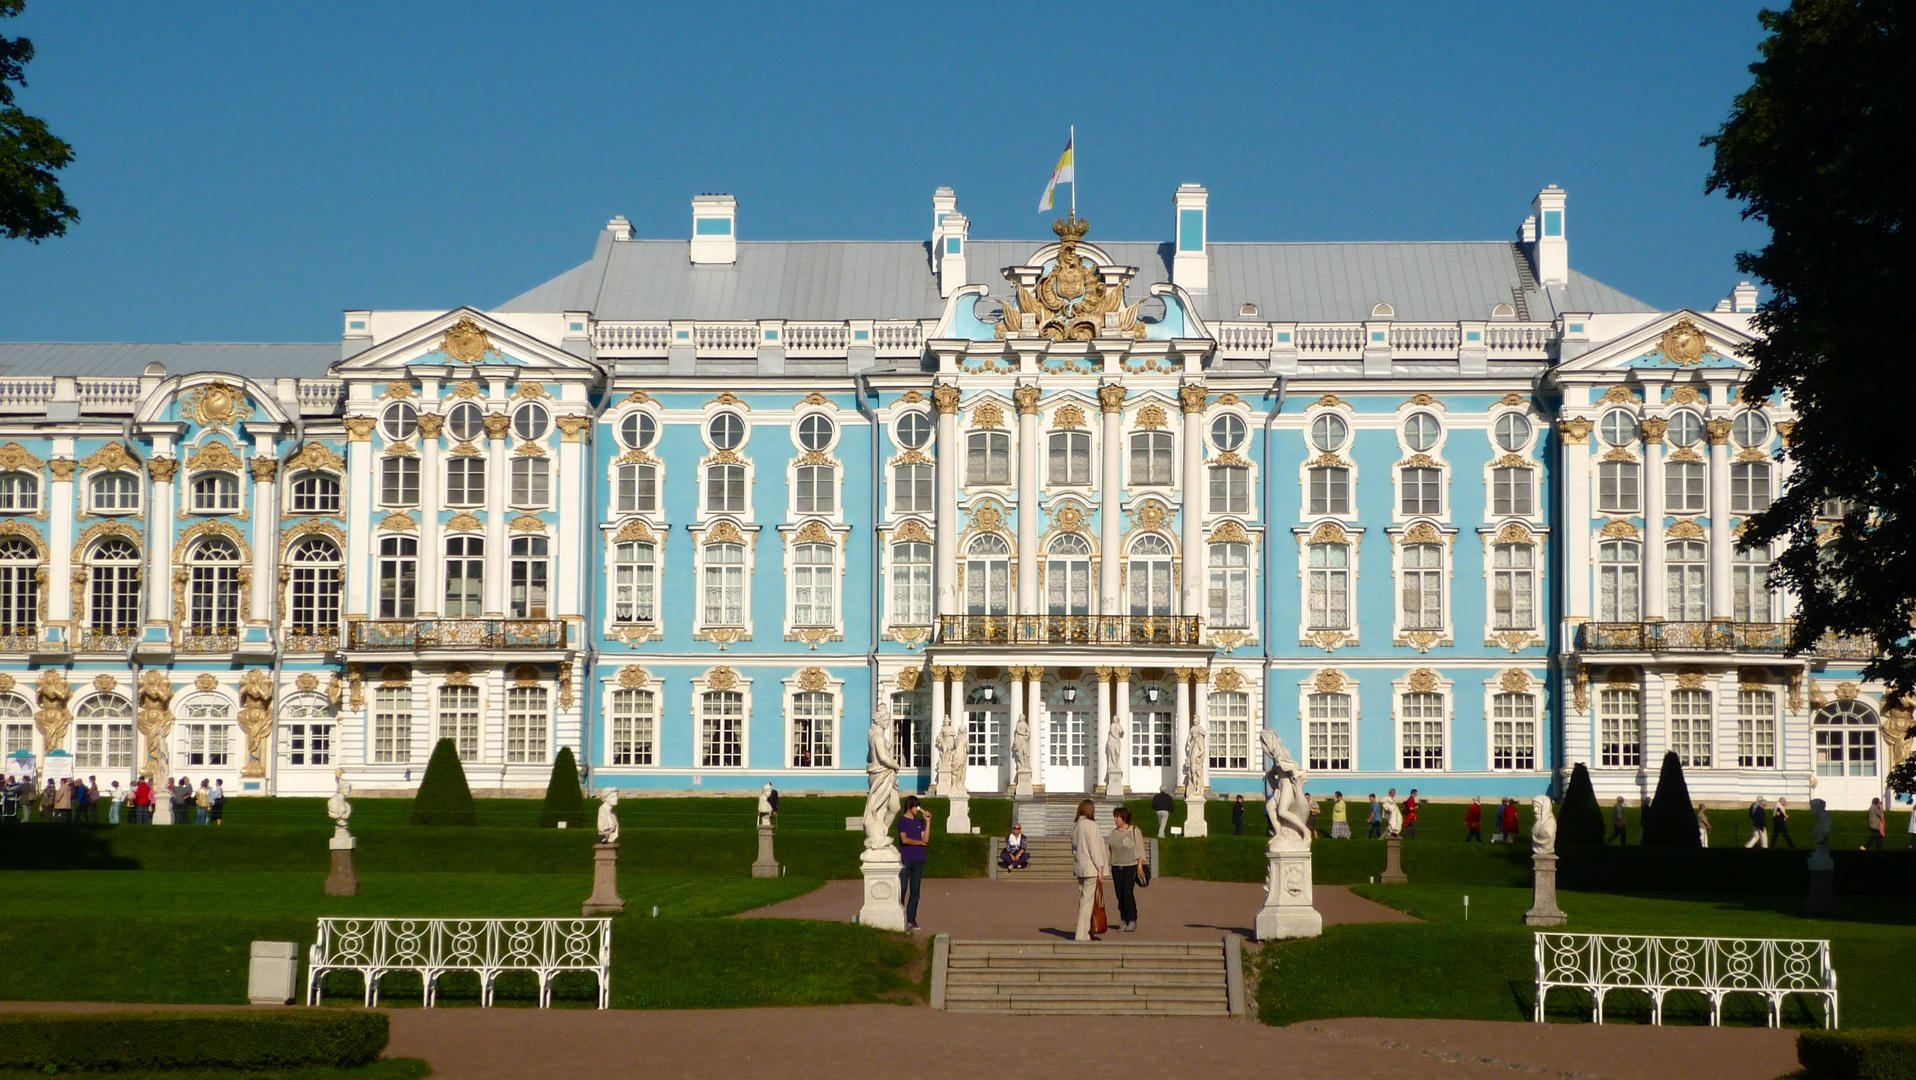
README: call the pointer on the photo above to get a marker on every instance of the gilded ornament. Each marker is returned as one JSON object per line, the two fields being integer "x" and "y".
{"x": 466, "y": 449}
{"x": 911, "y": 397}
{"x": 1620, "y": 677}
{"x": 1228, "y": 680}
{"x": 1422, "y": 681}
{"x": 1576, "y": 429}
{"x": 111, "y": 456}
{"x": 1514, "y": 681}
{"x": 1513, "y": 461}
{"x": 1230, "y": 457}
{"x": 497, "y": 425}
{"x": 468, "y": 389}
{"x": 910, "y": 678}
{"x": 215, "y": 404}
{"x": 1786, "y": 428}
{"x": 399, "y": 523}
{"x": 721, "y": 678}
{"x": 466, "y": 341}
{"x": 572, "y": 426}
{"x": 634, "y": 677}
{"x": 359, "y": 428}
{"x": 463, "y": 522}
{"x": 14, "y": 457}
{"x": 63, "y": 469}
{"x": 1229, "y": 399}
{"x": 564, "y": 682}
{"x": 1328, "y": 532}
{"x": 1419, "y": 461}
{"x": 104, "y": 682}
{"x": 162, "y": 469}
{"x": 1423, "y": 533}
{"x": 1685, "y": 530}
{"x": 1653, "y": 428}
{"x": 525, "y": 675}
{"x": 911, "y": 530}
{"x": 1330, "y": 640}
{"x": 634, "y": 530}
{"x": 813, "y": 680}
{"x": 1152, "y": 418}
{"x": 729, "y": 399}
{"x": 1111, "y": 397}
{"x": 1331, "y": 401}
{"x": 1582, "y": 693}
{"x": 255, "y": 718}
{"x": 987, "y": 518}
{"x": 1690, "y": 678}
{"x": 264, "y": 469}
{"x": 203, "y": 529}
{"x": 1751, "y": 454}
{"x": 1621, "y": 395}
{"x": 400, "y": 391}
{"x": 1514, "y": 533}
{"x": 1752, "y": 676}
{"x": 1685, "y": 453}
{"x": 356, "y": 681}
{"x": 314, "y": 455}
{"x": 987, "y": 415}
{"x": 816, "y": 457}
{"x": 1683, "y": 343}
{"x": 527, "y": 523}
{"x": 531, "y": 391}
{"x": 945, "y": 398}
{"x": 458, "y": 675}
{"x": 1229, "y": 532}
{"x": 1068, "y": 417}
{"x": 6, "y": 682}
{"x": 1422, "y": 640}
{"x": 1027, "y": 398}
{"x": 724, "y": 532}
{"x": 1618, "y": 453}
{"x": 1192, "y": 398}
{"x": 431, "y": 424}
{"x": 529, "y": 449}
{"x": 1152, "y": 514}
{"x": 1513, "y": 399}
{"x": 1685, "y": 395}
{"x": 1072, "y": 301}
{"x": 813, "y": 532}
{"x": 1618, "y": 527}
{"x": 206, "y": 682}
{"x": 1070, "y": 517}
{"x": 1718, "y": 430}
{"x": 307, "y": 682}
{"x": 1516, "y": 640}
{"x": 1328, "y": 681}
{"x": 1846, "y": 691}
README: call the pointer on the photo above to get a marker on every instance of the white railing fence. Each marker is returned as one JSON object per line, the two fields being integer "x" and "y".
{"x": 486, "y": 947}
{"x": 1771, "y": 968}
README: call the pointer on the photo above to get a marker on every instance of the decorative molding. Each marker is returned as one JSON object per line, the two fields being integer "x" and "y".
{"x": 572, "y": 426}
{"x": 1683, "y": 343}
{"x": 1515, "y": 681}
{"x": 1513, "y": 399}
{"x": 1685, "y": 453}
{"x": 431, "y": 425}
{"x": 728, "y": 399}
{"x": 1576, "y": 429}
{"x": 1653, "y": 428}
{"x": 466, "y": 341}
{"x": 634, "y": 530}
{"x": 531, "y": 391}
{"x": 62, "y": 469}
{"x": 945, "y": 398}
{"x": 987, "y": 415}
{"x": 1422, "y": 532}
{"x": 468, "y": 389}
{"x": 307, "y": 683}
{"x": 1421, "y": 681}
{"x": 215, "y": 404}
{"x": 1068, "y": 417}
{"x": 1619, "y": 394}
{"x": 458, "y": 675}
{"x": 1618, "y": 453}
{"x": 1026, "y": 399}
{"x": 359, "y": 428}
{"x": 1328, "y": 532}
{"x": 721, "y": 678}
{"x": 1331, "y": 401}
{"x": 1152, "y": 418}
{"x": 464, "y": 522}
{"x": 1330, "y": 640}
{"x": 161, "y": 469}
{"x": 114, "y": 456}
{"x": 1329, "y": 681}
{"x": 212, "y": 528}
{"x": 1514, "y": 533}
{"x": 1111, "y": 397}
{"x": 399, "y": 523}
{"x": 634, "y": 677}
{"x": 1717, "y": 430}
{"x": 265, "y": 469}
{"x": 1229, "y": 532}
{"x": 911, "y": 397}
{"x": 1193, "y": 398}
{"x": 1685, "y": 395}
{"x": 399, "y": 391}
{"x": 1619, "y": 527}
{"x": 1684, "y": 530}
{"x": 527, "y": 523}
{"x": 813, "y": 680}
{"x": 638, "y": 397}
{"x": 1690, "y": 677}
{"x": 214, "y": 455}
{"x": 14, "y": 458}
{"x": 315, "y": 455}
{"x": 525, "y": 675}
{"x": 913, "y": 531}
{"x": 529, "y": 449}
{"x": 725, "y": 532}
{"x": 1513, "y": 461}
{"x": 497, "y": 425}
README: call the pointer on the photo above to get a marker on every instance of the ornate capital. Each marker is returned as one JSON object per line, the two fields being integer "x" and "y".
{"x": 1111, "y": 397}
{"x": 497, "y": 424}
{"x": 430, "y": 425}
{"x": 1192, "y": 397}
{"x": 1653, "y": 428}
{"x": 1718, "y": 430}
{"x": 1027, "y": 398}
{"x": 1576, "y": 428}
{"x": 573, "y": 426}
{"x": 359, "y": 428}
{"x": 945, "y": 398}
{"x": 161, "y": 469}
{"x": 63, "y": 468}
{"x": 264, "y": 469}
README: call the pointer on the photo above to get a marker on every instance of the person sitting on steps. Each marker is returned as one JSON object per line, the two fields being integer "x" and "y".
{"x": 1016, "y": 854}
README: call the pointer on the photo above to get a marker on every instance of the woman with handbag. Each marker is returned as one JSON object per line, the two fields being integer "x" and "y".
{"x": 1090, "y": 860}
{"x": 1127, "y": 846}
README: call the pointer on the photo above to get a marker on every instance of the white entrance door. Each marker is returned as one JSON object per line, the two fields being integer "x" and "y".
{"x": 1849, "y": 769}
{"x": 1068, "y": 750}
{"x": 1151, "y": 707}
{"x": 987, "y": 756}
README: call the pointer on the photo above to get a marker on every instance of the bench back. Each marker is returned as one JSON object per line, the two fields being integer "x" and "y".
{"x": 1631, "y": 961}
{"x": 466, "y": 944}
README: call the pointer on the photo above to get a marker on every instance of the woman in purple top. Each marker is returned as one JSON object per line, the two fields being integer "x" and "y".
{"x": 914, "y": 832}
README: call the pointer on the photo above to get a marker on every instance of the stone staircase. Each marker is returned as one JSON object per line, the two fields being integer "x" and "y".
{"x": 1050, "y": 860}
{"x": 1052, "y": 815}
{"x": 1154, "y": 978}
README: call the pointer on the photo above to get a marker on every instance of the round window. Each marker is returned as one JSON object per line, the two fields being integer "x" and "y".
{"x": 815, "y": 432}
{"x": 466, "y": 422}
{"x": 726, "y": 431}
{"x": 1750, "y": 429}
{"x": 1513, "y": 431}
{"x": 1618, "y": 427}
{"x": 1420, "y": 431}
{"x": 637, "y": 430}
{"x": 1328, "y": 432}
{"x": 913, "y": 430}
{"x": 530, "y": 422}
{"x": 400, "y": 421}
{"x": 1227, "y": 432}
{"x": 1685, "y": 429}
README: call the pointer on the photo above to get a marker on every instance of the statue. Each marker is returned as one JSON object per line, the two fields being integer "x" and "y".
{"x": 256, "y": 718}
{"x": 609, "y": 816}
{"x": 951, "y": 763}
{"x": 344, "y": 878}
{"x": 156, "y": 722}
{"x": 1543, "y": 834}
{"x": 765, "y": 808}
{"x": 1393, "y": 818}
{"x": 1820, "y": 832}
{"x": 1284, "y": 804}
{"x": 1114, "y": 756}
{"x": 1197, "y": 761}
{"x": 53, "y": 692}
{"x": 337, "y": 807}
{"x": 881, "y": 774}
{"x": 1021, "y": 752}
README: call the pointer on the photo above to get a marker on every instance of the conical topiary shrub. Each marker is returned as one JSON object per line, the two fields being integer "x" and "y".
{"x": 564, "y": 800}
{"x": 1671, "y": 819}
{"x": 1580, "y": 821}
{"x": 444, "y": 798}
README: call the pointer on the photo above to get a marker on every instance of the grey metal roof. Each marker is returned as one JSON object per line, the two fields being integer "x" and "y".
{"x": 263, "y": 361}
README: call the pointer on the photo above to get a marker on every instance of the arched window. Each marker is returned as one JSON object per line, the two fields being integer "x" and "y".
{"x": 103, "y": 733}
{"x": 637, "y": 489}
{"x": 1617, "y": 487}
{"x": 466, "y": 481}
{"x": 1330, "y": 488}
{"x": 1690, "y": 724}
{"x": 817, "y": 488}
{"x": 1619, "y": 581}
{"x": 1420, "y": 724}
{"x": 635, "y": 583}
{"x": 635, "y": 719}
{"x": 1151, "y": 458}
{"x": 812, "y": 731}
{"x": 988, "y": 577}
{"x": 1330, "y": 587}
{"x": 466, "y": 422}
{"x": 214, "y": 587}
{"x": 1749, "y": 487}
{"x": 1229, "y": 566}
{"x": 1686, "y": 581}
{"x": 814, "y": 573}
{"x": 725, "y": 489}
{"x": 1068, "y": 576}
{"x": 114, "y": 493}
{"x": 113, "y": 587}
{"x": 721, "y": 729}
{"x": 19, "y": 586}
{"x": 16, "y": 725}
{"x": 1230, "y": 721}
{"x": 398, "y": 578}
{"x": 531, "y": 572}
{"x": 306, "y": 730}
{"x": 315, "y": 586}
{"x": 1327, "y": 734}
{"x": 1513, "y": 587}
{"x": 1845, "y": 739}
{"x": 19, "y": 493}
{"x": 206, "y": 739}
{"x": 465, "y": 577}
{"x": 911, "y": 728}
{"x": 1149, "y": 571}
{"x": 528, "y": 725}
{"x": 315, "y": 493}
{"x": 400, "y": 421}
{"x": 1513, "y": 732}
{"x": 1751, "y": 600}
{"x": 1685, "y": 487}
{"x": 1686, "y": 428}
{"x": 1423, "y": 587}
{"x": 531, "y": 481}
{"x": 215, "y": 493}
{"x": 1230, "y": 489}
{"x": 1070, "y": 458}
{"x": 987, "y": 458}
{"x": 911, "y": 585}
{"x": 724, "y": 585}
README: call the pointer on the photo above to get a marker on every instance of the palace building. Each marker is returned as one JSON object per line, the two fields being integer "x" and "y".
{"x": 1451, "y": 516}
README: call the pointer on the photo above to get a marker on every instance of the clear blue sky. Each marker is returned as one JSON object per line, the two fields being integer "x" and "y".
{"x": 248, "y": 170}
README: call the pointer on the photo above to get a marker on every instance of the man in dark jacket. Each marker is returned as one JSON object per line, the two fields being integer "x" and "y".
{"x": 1161, "y": 802}
{"x": 1759, "y": 823}
{"x": 1237, "y": 817}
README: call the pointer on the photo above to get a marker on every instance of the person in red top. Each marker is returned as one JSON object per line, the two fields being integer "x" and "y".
{"x": 1474, "y": 821}
{"x": 143, "y": 802}
{"x": 1510, "y": 822}
{"x": 1410, "y": 815}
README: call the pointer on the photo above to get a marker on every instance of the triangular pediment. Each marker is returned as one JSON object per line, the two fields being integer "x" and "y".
{"x": 1680, "y": 341}
{"x": 463, "y": 337}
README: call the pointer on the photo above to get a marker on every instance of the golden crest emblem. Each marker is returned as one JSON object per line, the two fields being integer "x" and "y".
{"x": 1683, "y": 343}
{"x": 467, "y": 342}
{"x": 1071, "y": 301}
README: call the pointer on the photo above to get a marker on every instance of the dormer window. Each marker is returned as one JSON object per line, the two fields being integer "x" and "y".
{"x": 216, "y": 493}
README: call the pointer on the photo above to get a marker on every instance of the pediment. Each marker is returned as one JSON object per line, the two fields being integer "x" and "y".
{"x": 1680, "y": 341}
{"x": 463, "y": 337}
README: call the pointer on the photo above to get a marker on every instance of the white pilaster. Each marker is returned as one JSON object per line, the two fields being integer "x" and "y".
{"x": 940, "y": 710}
{"x": 570, "y": 485}
{"x": 1111, "y": 505}
{"x": 1122, "y": 692}
{"x": 432, "y": 494}
{"x": 1193, "y": 398}
{"x": 1180, "y": 727}
{"x": 1720, "y": 542}
{"x": 362, "y": 494}
{"x": 498, "y": 468}
{"x": 1028, "y": 454}
{"x": 1655, "y": 592}
{"x": 1104, "y": 731}
{"x": 1575, "y": 433}
{"x": 1021, "y": 781}
{"x": 950, "y": 458}
{"x": 266, "y": 519}
{"x": 60, "y": 509}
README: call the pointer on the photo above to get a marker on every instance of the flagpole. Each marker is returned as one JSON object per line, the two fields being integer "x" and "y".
{"x": 1074, "y": 170}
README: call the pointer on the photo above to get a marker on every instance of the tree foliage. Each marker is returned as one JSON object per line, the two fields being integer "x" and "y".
{"x": 565, "y": 800}
{"x": 32, "y": 206}
{"x": 1579, "y": 819}
{"x": 1670, "y": 820}
{"x": 1814, "y": 149}
{"x": 444, "y": 797}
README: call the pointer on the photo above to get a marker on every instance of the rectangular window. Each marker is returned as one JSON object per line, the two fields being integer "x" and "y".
{"x": 1750, "y": 597}
{"x": 634, "y": 726}
{"x": 1749, "y": 487}
{"x": 89, "y": 746}
{"x": 1619, "y": 588}
{"x": 984, "y": 734}
{"x": 19, "y": 739}
{"x": 398, "y": 577}
{"x": 119, "y": 746}
{"x": 459, "y": 719}
{"x": 635, "y": 584}
{"x": 1230, "y": 721}
{"x": 1421, "y": 724}
{"x": 1423, "y": 587}
{"x": 1513, "y": 587}
{"x": 1327, "y": 736}
{"x": 725, "y": 585}
{"x": 1230, "y": 489}
{"x": 1756, "y": 729}
{"x": 465, "y": 577}
{"x": 814, "y": 575}
{"x": 1686, "y": 581}
{"x": 911, "y": 729}
{"x": 1513, "y": 732}
{"x": 527, "y": 726}
{"x": 309, "y": 744}
{"x": 531, "y": 481}
{"x": 1330, "y": 587}
{"x": 725, "y": 489}
{"x": 638, "y": 489}
{"x": 722, "y": 730}
{"x": 1070, "y": 458}
{"x": 912, "y": 489}
{"x": 988, "y": 458}
{"x": 466, "y": 481}
{"x": 1684, "y": 487}
{"x": 530, "y": 578}
{"x": 1151, "y": 458}
{"x": 911, "y": 585}
{"x": 1422, "y": 490}
{"x": 392, "y": 725}
{"x": 817, "y": 489}
{"x": 209, "y": 745}
{"x": 1230, "y": 591}
{"x": 1510, "y": 492}
{"x": 1620, "y": 728}
{"x": 812, "y": 731}
{"x": 1617, "y": 487}
{"x": 1150, "y": 738}
{"x": 1690, "y": 727}
{"x": 399, "y": 481}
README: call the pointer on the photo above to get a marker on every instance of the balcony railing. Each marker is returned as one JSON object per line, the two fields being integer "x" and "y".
{"x": 107, "y": 640}
{"x": 1712, "y": 637}
{"x": 421, "y": 634}
{"x": 1068, "y": 630}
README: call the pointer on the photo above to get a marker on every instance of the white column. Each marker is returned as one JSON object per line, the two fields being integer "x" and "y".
{"x": 1104, "y": 724}
{"x": 1575, "y": 434}
{"x": 950, "y": 458}
{"x": 362, "y": 495}
{"x": 498, "y": 466}
{"x": 432, "y": 493}
{"x": 60, "y": 512}
{"x": 1654, "y": 590}
{"x": 1111, "y": 505}
{"x": 1192, "y": 396}
{"x": 1180, "y": 726}
{"x": 1029, "y": 451}
{"x": 266, "y": 519}
{"x": 1720, "y": 542}
{"x": 1122, "y": 691}
{"x": 570, "y": 485}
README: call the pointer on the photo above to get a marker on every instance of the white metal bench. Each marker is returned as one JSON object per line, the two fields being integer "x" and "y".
{"x": 488, "y": 948}
{"x": 1771, "y": 968}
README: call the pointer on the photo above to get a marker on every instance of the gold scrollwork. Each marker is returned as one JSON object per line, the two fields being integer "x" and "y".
{"x": 466, "y": 341}
{"x": 215, "y": 404}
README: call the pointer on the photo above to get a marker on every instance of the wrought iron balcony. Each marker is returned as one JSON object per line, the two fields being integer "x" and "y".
{"x": 421, "y": 634}
{"x": 1657, "y": 637}
{"x": 20, "y": 640}
{"x": 117, "y": 641}
{"x": 310, "y": 639}
{"x": 1068, "y": 630}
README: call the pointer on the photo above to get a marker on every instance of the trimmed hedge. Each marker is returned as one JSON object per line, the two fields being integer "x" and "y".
{"x": 191, "y": 1040}
{"x": 1749, "y": 871}
{"x": 1671, "y": 819}
{"x": 1884, "y": 1054}
{"x": 1580, "y": 820}
{"x": 565, "y": 801}
{"x": 444, "y": 797}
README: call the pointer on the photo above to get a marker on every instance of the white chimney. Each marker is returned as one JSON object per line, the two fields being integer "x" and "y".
{"x": 1743, "y": 297}
{"x": 620, "y": 228}
{"x": 953, "y": 237}
{"x": 714, "y": 229}
{"x": 1191, "y": 266}
{"x": 1552, "y": 252}
{"x": 944, "y": 203}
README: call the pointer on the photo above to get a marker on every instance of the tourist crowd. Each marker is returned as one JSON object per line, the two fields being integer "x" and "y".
{"x": 85, "y": 802}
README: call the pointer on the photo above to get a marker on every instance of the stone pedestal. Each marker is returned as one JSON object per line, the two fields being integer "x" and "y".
{"x": 605, "y": 882}
{"x": 767, "y": 865}
{"x": 344, "y": 880}
{"x": 1288, "y": 910}
{"x": 1393, "y": 861}
{"x": 1822, "y": 900}
{"x": 1194, "y": 823}
{"x": 960, "y": 819}
{"x": 162, "y": 808}
{"x": 882, "y": 908}
{"x": 1543, "y": 908}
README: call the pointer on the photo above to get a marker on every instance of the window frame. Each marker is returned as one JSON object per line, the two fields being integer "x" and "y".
{"x": 315, "y": 483}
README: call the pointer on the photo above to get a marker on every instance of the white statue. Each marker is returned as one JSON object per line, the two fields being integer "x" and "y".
{"x": 951, "y": 764}
{"x": 881, "y": 773}
{"x": 1114, "y": 756}
{"x": 765, "y": 804}
{"x": 1543, "y": 833}
{"x": 609, "y": 816}
{"x": 1393, "y": 818}
{"x": 1021, "y": 752}
{"x": 1285, "y": 805}
{"x": 337, "y": 807}
{"x": 1197, "y": 761}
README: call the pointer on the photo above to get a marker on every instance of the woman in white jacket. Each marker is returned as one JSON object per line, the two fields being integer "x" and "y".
{"x": 1090, "y": 862}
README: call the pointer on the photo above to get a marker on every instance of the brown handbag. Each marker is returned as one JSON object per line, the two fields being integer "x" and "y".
{"x": 1100, "y": 923}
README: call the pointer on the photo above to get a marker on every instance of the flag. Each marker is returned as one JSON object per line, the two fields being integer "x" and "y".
{"x": 1063, "y": 175}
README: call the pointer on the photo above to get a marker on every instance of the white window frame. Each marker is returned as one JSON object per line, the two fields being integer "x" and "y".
{"x": 392, "y": 708}
{"x": 522, "y": 705}
{"x": 1446, "y": 702}
{"x": 1633, "y": 470}
{"x": 1752, "y": 718}
{"x": 834, "y": 690}
{"x": 132, "y": 479}
{"x": 316, "y": 477}
{"x": 1319, "y": 707}
{"x": 227, "y": 494}
{"x": 525, "y": 477}
{"x": 1611, "y": 702}
{"x": 1446, "y": 572}
{"x": 986, "y": 437}
{"x": 1329, "y": 532}
{"x": 1150, "y": 436}
{"x": 1070, "y": 437}
{"x": 19, "y": 492}
{"x": 468, "y": 494}
{"x": 835, "y": 575}
{"x": 476, "y": 750}
{"x": 1618, "y": 613}
{"x": 1515, "y": 535}
{"x": 1494, "y": 695}
{"x": 636, "y": 710}
{"x": 740, "y": 685}
{"x": 703, "y": 540}
{"x": 898, "y": 615}
{"x": 1230, "y": 733}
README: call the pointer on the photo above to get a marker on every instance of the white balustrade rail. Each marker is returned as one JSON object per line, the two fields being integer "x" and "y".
{"x": 26, "y": 390}
{"x": 486, "y": 947}
{"x": 1771, "y": 968}
{"x": 1329, "y": 341}
{"x": 108, "y": 391}
{"x": 320, "y": 394}
{"x": 816, "y": 339}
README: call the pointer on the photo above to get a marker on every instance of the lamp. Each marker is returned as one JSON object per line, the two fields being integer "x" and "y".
{"x": 1151, "y": 695}
{"x": 987, "y": 693}
{"x": 1070, "y": 694}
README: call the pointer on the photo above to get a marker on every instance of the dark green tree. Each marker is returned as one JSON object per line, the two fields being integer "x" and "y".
{"x": 1579, "y": 819}
{"x": 1670, "y": 820}
{"x": 32, "y": 207}
{"x": 444, "y": 798}
{"x": 1814, "y": 150}
{"x": 565, "y": 800}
